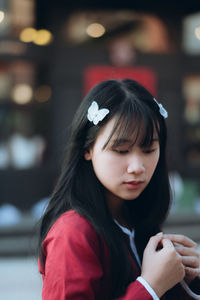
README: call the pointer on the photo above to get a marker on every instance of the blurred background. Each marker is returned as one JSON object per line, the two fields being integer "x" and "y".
{"x": 51, "y": 54}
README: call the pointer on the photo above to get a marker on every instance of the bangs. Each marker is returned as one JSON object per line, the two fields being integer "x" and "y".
{"x": 134, "y": 125}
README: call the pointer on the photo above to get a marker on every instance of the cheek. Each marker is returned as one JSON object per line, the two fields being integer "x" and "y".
{"x": 151, "y": 163}
{"x": 154, "y": 162}
{"x": 106, "y": 165}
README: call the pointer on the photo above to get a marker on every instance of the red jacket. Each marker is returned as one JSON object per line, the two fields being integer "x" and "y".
{"x": 76, "y": 267}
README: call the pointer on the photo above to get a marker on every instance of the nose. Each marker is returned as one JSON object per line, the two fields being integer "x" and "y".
{"x": 136, "y": 165}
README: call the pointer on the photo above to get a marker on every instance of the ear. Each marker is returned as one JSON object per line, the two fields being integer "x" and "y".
{"x": 88, "y": 155}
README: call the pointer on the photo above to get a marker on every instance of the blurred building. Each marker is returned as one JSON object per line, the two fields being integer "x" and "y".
{"x": 51, "y": 53}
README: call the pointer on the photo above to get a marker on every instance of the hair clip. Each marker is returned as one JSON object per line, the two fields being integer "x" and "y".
{"x": 162, "y": 110}
{"x": 95, "y": 114}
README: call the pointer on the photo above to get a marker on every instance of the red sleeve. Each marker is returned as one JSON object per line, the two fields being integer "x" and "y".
{"x": 73, "y": 268}
{"x": 136, "y": 291}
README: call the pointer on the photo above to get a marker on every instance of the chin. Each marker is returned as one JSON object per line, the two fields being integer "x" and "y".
{"x": 129, "y": 198}
{"x": 132, "y": 197}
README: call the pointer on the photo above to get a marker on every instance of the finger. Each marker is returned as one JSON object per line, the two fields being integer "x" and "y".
{"x": 167, "y": 243}
{"x": 192, "y": 272}
{"x": 154, "y": 241}
{"x": 185, "y": 251}
{"x": 190, "y": 261}
{"x": 181, "y": 239}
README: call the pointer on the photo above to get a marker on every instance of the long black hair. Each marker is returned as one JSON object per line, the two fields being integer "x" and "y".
{"x": 79, "y": 189}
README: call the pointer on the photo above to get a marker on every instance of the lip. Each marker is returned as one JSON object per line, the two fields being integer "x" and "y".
{"x": 134, "y": 184}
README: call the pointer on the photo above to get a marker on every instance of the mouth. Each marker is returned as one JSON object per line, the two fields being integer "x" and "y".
{"x": 134, "y": 184}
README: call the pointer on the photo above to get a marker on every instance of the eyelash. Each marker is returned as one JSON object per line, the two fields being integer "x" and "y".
{"x": 122, "y": 151}
{"x": 149, "y": 151}
{"x": 126, "y": 151}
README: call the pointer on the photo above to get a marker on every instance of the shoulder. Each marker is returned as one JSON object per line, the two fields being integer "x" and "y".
{"x": 72, "y": 226}
{"x": 71, "y": 239}
{"x": 71, "y": 220}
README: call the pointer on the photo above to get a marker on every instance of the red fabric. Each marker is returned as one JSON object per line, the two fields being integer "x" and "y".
{"x": 96, "y": 73}
{"x": 76, "y": 266}
{"x": 136, "y": 291}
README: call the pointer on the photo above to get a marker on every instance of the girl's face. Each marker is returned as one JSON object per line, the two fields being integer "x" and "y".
{"x": 126, "y": 170}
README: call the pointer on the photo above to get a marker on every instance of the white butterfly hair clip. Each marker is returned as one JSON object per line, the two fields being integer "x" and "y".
{"x": 162, "y": 110}
{"x": 95, "y": 114}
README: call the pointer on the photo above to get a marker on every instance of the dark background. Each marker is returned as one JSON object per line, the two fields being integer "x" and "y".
{"x": 61, "y": 66}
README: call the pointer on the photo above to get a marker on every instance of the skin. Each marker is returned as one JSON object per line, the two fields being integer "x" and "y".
{"x": 115, "y": 168}
{"x": 189, "y": 252}
{"x": 162, "y": 269}
{"x": 178, "y": 257}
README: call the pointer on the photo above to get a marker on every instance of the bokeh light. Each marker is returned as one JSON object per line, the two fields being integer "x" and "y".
{"x": 95, "y": 30}
{"x": 22, "y": 93}
{"x": 197, "y": 32}
{"x": 43, "y": 37}
{"x": 42, "y": 93}
{"x": 2, "y": 14}
{"x": 27, "y": 35}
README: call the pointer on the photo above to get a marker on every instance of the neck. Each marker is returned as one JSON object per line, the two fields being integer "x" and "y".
{"x": 118, "y": 210}
{"x": 115, "y": 204}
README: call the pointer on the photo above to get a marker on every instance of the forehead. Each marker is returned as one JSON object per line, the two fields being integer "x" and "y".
{"x": 117, "y": 132}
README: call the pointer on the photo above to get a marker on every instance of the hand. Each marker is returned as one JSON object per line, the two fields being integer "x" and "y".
{"x": 189, "y": 252}
{"x": 162, "y": 269}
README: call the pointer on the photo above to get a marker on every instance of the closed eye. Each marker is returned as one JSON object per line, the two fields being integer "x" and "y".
{"x": 149, "y": 150}
{"x": 121, "y": 151}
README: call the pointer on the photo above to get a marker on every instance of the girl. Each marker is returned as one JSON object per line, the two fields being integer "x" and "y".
{"x": 100, "y": 236}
